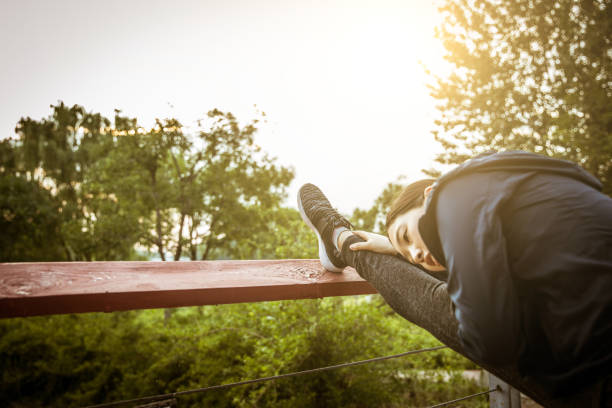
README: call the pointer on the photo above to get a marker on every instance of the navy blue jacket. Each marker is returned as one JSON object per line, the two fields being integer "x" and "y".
{"x": 527, "y": 242}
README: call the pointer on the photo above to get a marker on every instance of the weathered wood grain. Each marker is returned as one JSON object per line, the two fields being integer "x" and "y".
{"x": 30, "y": 289}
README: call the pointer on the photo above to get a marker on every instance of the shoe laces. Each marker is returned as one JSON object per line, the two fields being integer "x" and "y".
{"x": 337, "y": 220}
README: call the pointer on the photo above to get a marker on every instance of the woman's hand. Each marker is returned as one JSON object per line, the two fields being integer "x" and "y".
{"x": 373, "y": 242}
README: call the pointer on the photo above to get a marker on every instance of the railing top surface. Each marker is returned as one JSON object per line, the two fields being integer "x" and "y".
{"x": 29, "y": 289}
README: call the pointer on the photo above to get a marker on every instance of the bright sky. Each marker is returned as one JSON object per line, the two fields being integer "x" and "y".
{"x": 340, "y": 81}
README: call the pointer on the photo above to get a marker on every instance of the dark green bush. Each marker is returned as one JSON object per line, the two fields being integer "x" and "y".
{"x": 78, "y": 360}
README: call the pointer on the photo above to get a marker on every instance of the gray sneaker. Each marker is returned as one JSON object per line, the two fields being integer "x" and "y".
{"x": 323, "y": 219}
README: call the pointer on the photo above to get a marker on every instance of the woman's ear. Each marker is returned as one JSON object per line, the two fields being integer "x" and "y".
{"x": 427, "y": 190}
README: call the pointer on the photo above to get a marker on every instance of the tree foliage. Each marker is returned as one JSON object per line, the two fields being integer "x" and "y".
{"x": 78, "y": 360}
{"x": 283, "y": 236}
{"x": 374, "y": 218}
{"x": 112, "y": 185}
{"x": 527, "y": 74}
{"x": 29, "y": 220}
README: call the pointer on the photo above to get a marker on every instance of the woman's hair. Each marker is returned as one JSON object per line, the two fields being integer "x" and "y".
{"x": 411, "y": 197}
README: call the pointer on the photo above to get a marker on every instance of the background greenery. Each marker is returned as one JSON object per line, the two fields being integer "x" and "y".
{"x": 76, "y": 186}
{"x": 77, "y": 360}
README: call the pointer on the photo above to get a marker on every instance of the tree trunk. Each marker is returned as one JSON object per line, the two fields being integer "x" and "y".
{"x": 208, "y": 241}
{"x": 193, "y": 249}
{"x": 158, "y": 228}
{"x": 179, "y": 241}
{"x": 68, "y": 251}
{"x": 207, "y": 250}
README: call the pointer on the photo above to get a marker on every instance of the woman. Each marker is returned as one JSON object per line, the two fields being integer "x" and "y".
{"x": 518, "y": 249}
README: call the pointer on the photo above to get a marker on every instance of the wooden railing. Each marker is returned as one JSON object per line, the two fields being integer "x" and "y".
{"x": 30, "y": 289}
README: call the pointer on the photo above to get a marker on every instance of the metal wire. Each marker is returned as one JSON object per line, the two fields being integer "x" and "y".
{"x": 257, "y": 380}
{"x": 463, "y": 398}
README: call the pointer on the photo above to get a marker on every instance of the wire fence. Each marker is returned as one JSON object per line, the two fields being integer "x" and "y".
{"x": 170, "y": 399}
{"x": 447, "y": 403}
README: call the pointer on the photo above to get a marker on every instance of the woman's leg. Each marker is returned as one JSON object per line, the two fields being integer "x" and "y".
{"x": 411, "y": 292}
{"x": 423, "y": 300}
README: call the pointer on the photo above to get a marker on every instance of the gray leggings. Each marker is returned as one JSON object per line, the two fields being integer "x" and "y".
{"x": 422, "y": 299}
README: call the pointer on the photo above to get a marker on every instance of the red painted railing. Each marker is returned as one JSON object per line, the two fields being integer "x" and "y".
{"x": 30, "y": 289}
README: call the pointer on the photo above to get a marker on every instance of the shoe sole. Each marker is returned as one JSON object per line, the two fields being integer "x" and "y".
{"x": 325, "y": 261}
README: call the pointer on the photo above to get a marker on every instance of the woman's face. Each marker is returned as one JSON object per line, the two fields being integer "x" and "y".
{"x": 406, "y": 239}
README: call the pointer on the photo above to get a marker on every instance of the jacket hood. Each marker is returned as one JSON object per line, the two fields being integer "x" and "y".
{"x": 511, "y": 161}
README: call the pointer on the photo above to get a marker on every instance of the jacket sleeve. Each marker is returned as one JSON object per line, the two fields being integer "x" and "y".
{"x": 480, "y": 284}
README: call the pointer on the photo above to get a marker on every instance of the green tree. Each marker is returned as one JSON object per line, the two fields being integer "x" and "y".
{"x": 527, "y": 74}
{"x": 102, "y": 187}
{"x": 30, "y": 222}
{"x": 201, "y": 193}
{"x": 241, "y": 183}
{"x": 54, "y": 156}
{"x": 284, "y": 235}
{"x": 374, "y": 218}
{"x": 139, "y": 171}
